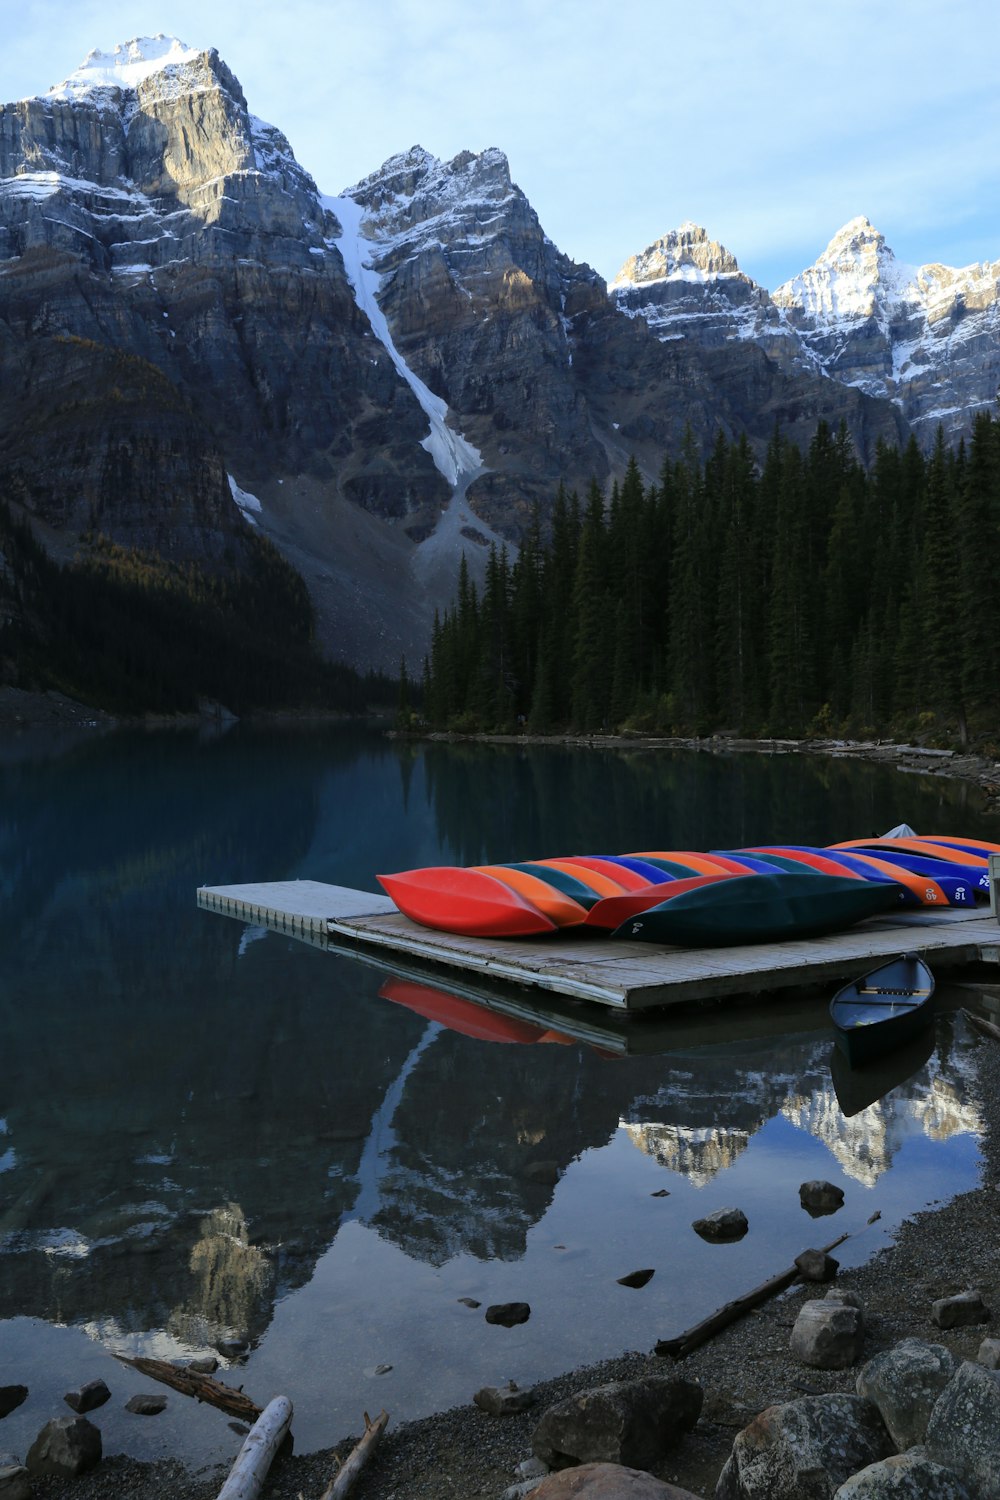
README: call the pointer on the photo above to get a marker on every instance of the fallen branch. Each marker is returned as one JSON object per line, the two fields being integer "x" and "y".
{"x": 265, "y": 1437}
{"x": 343, "y": 1480}
{"x": 201, "y": 1387}
{"x": 984, "y": 1027}
{"x": 686, "y": 1343}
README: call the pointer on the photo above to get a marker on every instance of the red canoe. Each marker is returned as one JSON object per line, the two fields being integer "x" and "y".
{"x": 451, "y": 898}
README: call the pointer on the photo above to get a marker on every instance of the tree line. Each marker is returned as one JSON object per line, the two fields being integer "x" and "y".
{"x": 800, "y": 595}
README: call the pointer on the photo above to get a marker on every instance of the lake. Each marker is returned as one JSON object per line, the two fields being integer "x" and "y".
{"x": 214, "y": 1135}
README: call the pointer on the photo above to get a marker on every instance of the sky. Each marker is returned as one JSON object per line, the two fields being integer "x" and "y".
{"x": 771, "y": 124}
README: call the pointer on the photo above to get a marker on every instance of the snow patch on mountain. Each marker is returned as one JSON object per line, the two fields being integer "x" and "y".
{"x": 453, "y": 456}
{"x": 130, "y": 64}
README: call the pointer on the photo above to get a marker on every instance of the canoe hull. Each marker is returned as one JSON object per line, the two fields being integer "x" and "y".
{"x": 760, "y": 909}
{"x": 884, "y": 1009}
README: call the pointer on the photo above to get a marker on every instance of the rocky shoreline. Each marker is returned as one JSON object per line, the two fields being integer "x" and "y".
{"x": 467, "y": 1453}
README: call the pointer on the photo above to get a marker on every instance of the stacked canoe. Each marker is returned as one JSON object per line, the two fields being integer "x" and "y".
{"x": 698, "y": 899}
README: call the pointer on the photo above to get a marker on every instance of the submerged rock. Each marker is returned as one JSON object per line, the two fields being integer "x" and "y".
{"x": 89, "y": 1397}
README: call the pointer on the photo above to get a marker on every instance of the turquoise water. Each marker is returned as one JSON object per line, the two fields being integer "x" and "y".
{"x": 213, "y": 1133}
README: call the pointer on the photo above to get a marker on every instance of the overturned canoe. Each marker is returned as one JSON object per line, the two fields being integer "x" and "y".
{"x": 761, "y": 908}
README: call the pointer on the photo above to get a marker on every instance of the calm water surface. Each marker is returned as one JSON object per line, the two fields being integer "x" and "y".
{"x": 210, "y": 1132}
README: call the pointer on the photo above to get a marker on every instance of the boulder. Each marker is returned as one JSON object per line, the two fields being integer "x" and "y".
{"x": 904, "y": 1383}
{"x": 503, "y": 1401}
{"x": 803, "y": 1450}
{"x": 816, "y": 1265}
{"x": 66, "y": 1446}
{"x": 630, "y": 1422}
{"x": 819, "y": 1197}
{"x": 961, "y": 1311}
{"x": 508, "y": 1314}
{"x": 607, "y": 1482}
{"x": 963, "y": 1432}
{"x": 904, "y": 1476}
{"x": 88, "y": 1397}
{"x": 11, "y": 1397}
{"x": 15, "y": 1481}
{"x": 829, "y": 1334}
{"x": 207, "y": 1365}
{"x": 989, "y": 1354}
{"x": 723, "y": 1224}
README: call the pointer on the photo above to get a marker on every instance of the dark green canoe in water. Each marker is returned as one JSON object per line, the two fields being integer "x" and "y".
{"x": 761, "y": 909}
{"x": 883, "y": 1009}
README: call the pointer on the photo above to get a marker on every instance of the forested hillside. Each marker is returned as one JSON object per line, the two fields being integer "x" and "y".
{"x": 803, "y": 595}
{"x": 124, "y": 630}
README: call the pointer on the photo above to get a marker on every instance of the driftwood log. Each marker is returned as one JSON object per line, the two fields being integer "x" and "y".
{"x": 201, "y": 1387}
{"x": 984, "y": 1027}
{"x": 246, "y": 1477}
{"x": 343, "y": 1480}
{"x": 693, "y": 1338}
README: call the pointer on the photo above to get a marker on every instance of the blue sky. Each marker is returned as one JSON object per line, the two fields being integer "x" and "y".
{"x": 771, "y": 123}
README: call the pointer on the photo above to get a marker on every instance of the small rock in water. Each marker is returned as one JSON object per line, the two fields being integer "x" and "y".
{"x": 723, "y": 1224}
{"x": 146, "y": 1404}
{"x": 820, "y": 1198}
{"x": 636, "y": 1278}
{"x": 11, "y": 1397}
{"x": 231, "y": 1347}
{"x": 508, "y": 1314}
{"x": 88, "y": 1397}
{"x": 206, "y": 1366}
{"x": 374, "y": 1370}
{"x": 661, "y": 1193}
{"x": 469, "y": 1302}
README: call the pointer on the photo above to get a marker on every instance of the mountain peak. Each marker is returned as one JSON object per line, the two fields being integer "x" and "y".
{"x": 857, "y": 276}
{"x": 686, "y": 254}
{"x": 128, "y": 65}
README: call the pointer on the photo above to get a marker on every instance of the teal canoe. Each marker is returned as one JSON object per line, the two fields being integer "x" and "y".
{"x": 886, "y": 1007}
{"x": 761, "y": 909}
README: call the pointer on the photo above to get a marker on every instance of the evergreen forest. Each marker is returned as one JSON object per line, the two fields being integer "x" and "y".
{"x": 126, "y": 631}
{"x": 804, "y": 595}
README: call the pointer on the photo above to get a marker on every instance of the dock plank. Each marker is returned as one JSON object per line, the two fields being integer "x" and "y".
{"x": 625, "y": 976}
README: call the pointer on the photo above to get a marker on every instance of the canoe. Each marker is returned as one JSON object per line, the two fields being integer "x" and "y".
{"x": 761, "y": 908}
{"x": 610, "y": 913}
{"x": 943, "y": 871}
{"x": 451, "y": 898}
{"x": 886, "y": 1007}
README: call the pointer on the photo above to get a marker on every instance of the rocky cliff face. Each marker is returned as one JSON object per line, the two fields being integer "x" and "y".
{"x": 395, "y": 376}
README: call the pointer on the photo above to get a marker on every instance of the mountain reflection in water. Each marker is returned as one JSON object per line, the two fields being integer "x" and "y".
{"x": 212, "y": 1133}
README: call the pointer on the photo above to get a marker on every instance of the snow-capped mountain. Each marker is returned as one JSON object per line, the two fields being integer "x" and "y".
{"x": 926, "y": 339}
{"x": 194, "y": 340}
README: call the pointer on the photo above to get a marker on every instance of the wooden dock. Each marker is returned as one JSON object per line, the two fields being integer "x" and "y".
{"x": 624, "y": 976}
